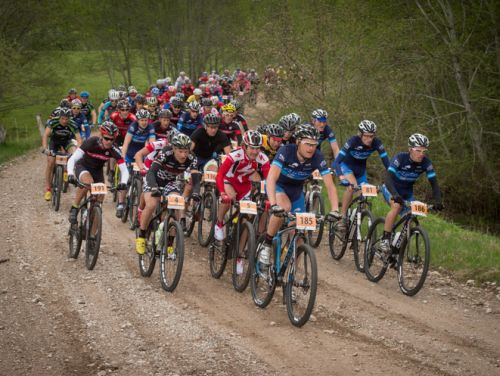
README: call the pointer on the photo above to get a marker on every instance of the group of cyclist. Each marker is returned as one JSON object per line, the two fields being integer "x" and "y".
{"x": 175, "y": 128}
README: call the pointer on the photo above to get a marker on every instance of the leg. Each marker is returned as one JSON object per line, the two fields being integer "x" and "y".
{"x": 221, "y": 212}
{"x": 49, "y": 171}
{"x": 147, "y": 213}
{"x": 348, "y": 193}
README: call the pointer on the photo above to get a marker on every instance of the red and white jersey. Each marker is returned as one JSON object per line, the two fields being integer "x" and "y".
{"x": 154, "y": 148}
{"x": 238, "y": 168}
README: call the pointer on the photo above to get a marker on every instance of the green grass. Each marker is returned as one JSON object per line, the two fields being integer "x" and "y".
{"x": 467, "y": 254}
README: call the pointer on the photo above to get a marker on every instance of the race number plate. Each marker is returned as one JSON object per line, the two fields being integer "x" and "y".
{"x": 419, "y": 208}
{"x": 135, "y": 167}
{"x": 62, "y": 160}
{"x": 98, "y": 189}
{"x": 262, "y": 186}
{"x": 209, "y": 176}
{"x": 369, "y": 190}
{"x": 248, "y": 207}
{"x": 316, "y": 175}
{"x": 175, "y": 202}
{"x": 306, "y": 221}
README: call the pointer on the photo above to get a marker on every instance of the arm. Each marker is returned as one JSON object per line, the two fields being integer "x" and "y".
{"x": 389, "y": 182}
{"x": 75, "y": 157}
{"x": 78, "y": 138}
{"x": 383, "y": 155}
{"x": 151, "y": 175}
{"x": 335, "y": 148}
{"x": 338, "y": 160}
{"x": 223, "y": 170}
{"x": 126, "y": 143}
{"x": 141, "y": 154}
{"x": 332, "y": 191}
{"x": 123, "y": 171}
{"x": 45, "y": 138}
{"x": 93, "y": 115}
{"x": 436, "y": 192}
{"x": 272, "y": 178}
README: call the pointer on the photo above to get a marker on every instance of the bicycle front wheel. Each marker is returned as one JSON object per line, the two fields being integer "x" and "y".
{"x": 301, "y": 285}
{"x": 147, "y": 261}
{"x": 75, "y": 236}
{"x": 57, "y": 183}
{"x": 336, "y": 244}
{"x": 375, "y": 265}
{"x": 192, "y": 208}
{"x": 243, "y": 254}
{"x": 208, "y": 217}
{"x": 262, "y": 279}
{"x": 358, "y": 244}
{"x": 134, "y": 203}
{"x": 171, "y": 255}
{"x": 93, "y": 237}
{"x": 413, "y": 261}
{"x": 316, "y": 205}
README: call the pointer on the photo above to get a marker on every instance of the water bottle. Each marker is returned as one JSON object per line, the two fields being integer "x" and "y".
{"x": 159, "y": 234}
{"x": 396, "y": 238}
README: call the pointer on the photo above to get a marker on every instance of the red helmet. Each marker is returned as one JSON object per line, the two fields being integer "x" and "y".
{"x": 108, "y": 128}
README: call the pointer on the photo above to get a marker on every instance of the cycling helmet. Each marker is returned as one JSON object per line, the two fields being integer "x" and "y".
{"x": 76, "y": 103}
{"x": 139, "y": 98}
{"x": 289, "y": 122}
{"x": 167, "y": 80}
{"x": 65, "y": 112}
{"x": 181, "y": 96}
{"x": 367, "y": 126}
{"x": 418, "y": 140}
{"x": 152, "y": 101}
{"x": 211, "y": 119}
{"x": 229, "y": 108}
{"x": 214, "y": 99}
{"x": 160, "y": 81}
{"x": 113, "y": 95}
{"x": 132, "y": 91}
{"x": 131, "y": 88}
{"x": 155, "y": 91}
{"x": 262, "y": 129}
{"x": 123, "y": 105}
{"x": 306, "y": 131}
{"x": 181, "y": 141}
{"x": 237, "y": 105}
{"x": 195, "y": 106}
{"x": 65, "y": 103}
{"x": 275, "y": 130}
{"x": 171, "y": 89}
{"x": 252, "y": 138}
{"x": 72, "y": 91}
{"x": 182, "y": 73}
{"x": 84, "y": 94}
{"x": 108, "y": 128}
{"x": 319, "y": 114}
{"x": 197, "y": 91}
{"x": 165, "y": 114}
{"x": 206, "y": 102}
{"x": 121, "y": 88}
{"x": 142, "y": 114}
{"x": 176, "y": 101}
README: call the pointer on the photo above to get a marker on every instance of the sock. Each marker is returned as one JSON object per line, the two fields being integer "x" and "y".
{"x": 142, "y": 233}
{"x": 75, "y": 206}
{"x": 269, "y": 239}
{"x": 220, "y": 223}
{"x": 387, "y": 235}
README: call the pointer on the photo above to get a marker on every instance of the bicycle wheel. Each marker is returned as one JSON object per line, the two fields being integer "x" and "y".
{"x": 171, "y": 255}
{"x": 208, "y": 217}
{"x": 301, "y": 285}
{"x": 217, "y": 258}
{"x": 262, "y": 282}
{"x": 93, "y": 237}
{"x": 147, "y": 261}
{"x": 192, "y": 208}
{"x": 116, "y": 180}
{"x": 243, "y": 253}
{"x": 57, "y": 183}
{"x": 375, "y": 266}
{"x": 413, "y": 261}
{"x": 316, "y": 205}
{"x": 135, "y": 197}
{"x": 358, "y": 245}
{"x": 75, "y": 235}
{"x": 336, "y": 245}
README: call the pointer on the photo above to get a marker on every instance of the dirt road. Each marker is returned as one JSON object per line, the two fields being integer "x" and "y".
{"x": 57, "y": 318}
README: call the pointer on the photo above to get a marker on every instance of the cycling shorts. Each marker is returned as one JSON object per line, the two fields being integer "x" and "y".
{"x": 56, "y": 145}
{"x": 406, "y": 197}
{"x": 242, "y": 189}
{"x": 298, "y": 202}
{"x": 169, "y": 187}
{"x": 360, "y": 177}
{"x": 97, "y": 174}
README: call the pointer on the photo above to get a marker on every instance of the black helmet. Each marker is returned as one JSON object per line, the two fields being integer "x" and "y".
{"x": 108, "y": 128}
{"x": 123, "y": 105}
{"x": 66, "y": 112}
{"x": 205, "y": 102}
{"x": 139, "y": 98}
{"x": 165, "y": 114}
{"x": 306, "y": 131}
{"x": 262, "y": 129}
{"x": 367, "y": 126}
{"x": 275, "y": 130}
{"x": 252, "y": 138}
{"x": 211, "y": 119}
{"x": 65, "y": 103}
{"x": 176, "y": 102}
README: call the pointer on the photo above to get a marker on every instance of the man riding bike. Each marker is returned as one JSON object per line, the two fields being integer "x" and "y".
{"x": 87, "y": 162}
{"x": 403, "y": 172}
{"x": 109, "y": 107}
{"x": 163, "y": 126}
{"x": 122, "y": 119}
{"x": 272, "y": 139}
{"x": 234, "y": 175}
{"x": 88, "y": 109}
{"x": 291, "y": 167}
{"x": 190, "y": 120}
{"x": 319, "y": 119}
{"x": 61, "y": 133}
{"x": 350, "y": 164}
{"x": 289, "y": 123}
{"x": 173, "y": 160}
{"x": 228, "y": 126}
{"x": 80, "y": 119}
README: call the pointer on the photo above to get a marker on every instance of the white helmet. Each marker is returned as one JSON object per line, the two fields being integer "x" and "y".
{"x": 197, "y": 91}
{"x": 367, "y": 126}
{"x": 113, "y": 95}
{"x": 418, "y": 140}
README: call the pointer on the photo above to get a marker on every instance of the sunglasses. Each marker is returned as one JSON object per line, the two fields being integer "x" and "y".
{"x": 123, "y": 110}
{"x": 108, "y": 138}
{"x": 309, "y": 144}
{"x": 253, "y": 147}
{"x": 76, "y": 108}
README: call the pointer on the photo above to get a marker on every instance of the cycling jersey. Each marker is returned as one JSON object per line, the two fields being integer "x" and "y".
{"x": 231, "y": 130}
{"x": 121, "y": 123}
{"x": 205, "y": 146}
{"x": 293, "y": 172}
{"x": 353, "y": 155}
{"x": 193, "y": 98}
{"x": 187, "y": 90}
{"x": 82, "y": 124}
{"x": 161, "y": 133}
{"x": 108, "y": 107}
{"x": 267, "y": 149}
{"x": 326, "y": 134}
{"x": 188, "y": 125}
{"x": 237, "y": 169}
{"x": 153, "y": 148}
{"x": 404, "y": 172}
{"x": 139, "y": 138}
{"x": 86, "y": 110}
{"x": 62, "y": 134}
{"x": 241, "y": 121}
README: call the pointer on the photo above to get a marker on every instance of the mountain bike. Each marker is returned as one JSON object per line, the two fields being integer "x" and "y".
{"x": 58, "y": 175}
{"x": 207, "y": 209}
{"x": 134, "y": 190}
{"x": 315, "y": 204}
{"x": 239, "y": 244}
{"x": 297, "y": 273}
{"x": 359, "y": 220}
{"x": 410, "y": 249}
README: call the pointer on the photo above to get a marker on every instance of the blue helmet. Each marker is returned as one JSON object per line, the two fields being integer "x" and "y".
{"x": 84, "y": 94}
{"x": 155, "y": 91}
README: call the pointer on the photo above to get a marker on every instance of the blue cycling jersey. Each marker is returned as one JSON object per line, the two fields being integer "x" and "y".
{"x": 187, "y": 125}
{"x": 326, "y": 134}
{"x": 139, "y": 137}
{"x": 354, "y": 154}
{"x": 294, "y": 173}
{"x": 405, "y": 172}
{"x": 110, "y": 106}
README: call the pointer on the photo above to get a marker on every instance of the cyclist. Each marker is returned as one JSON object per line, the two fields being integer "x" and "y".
{"x": 60, "y": 133}
{"x": 228, "y": 126}
{"x": 122, "y": 119}
{"x": 239, "y": 118}
{"x": 109, "y": 106}
{"x": 292, "y": 165}
{"x": 139, "y": 103}
{"x": 138, "y": 134}
{"x": 173, "y": 160}
{"x": 132, "y": 94}
{"x": 187, "y": 89}
{"x": 87, "y": 162}
{"x": 209, "y": 140}
{"x": 190, "y": 120}
{"x": 403, "y": 172}
{"x": 208, "y": 107}
{"x": 175, "y": 106}
{"x": 272, "y": 139}
{"x": 163, "y": 126}
{"x": 80, "y": 119}
{"x": 235, "y": 175}
{"x": 319, "y": 119}
{"x": 55, "y": 112}
{"x": 350, "y": 164}
{"x": 181, "y": 80}
{"x": 71, "y": 94}
{"x": 289, "y": 123}
{"x": 88, "y": 109}
{"x": 196, "y": 97}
